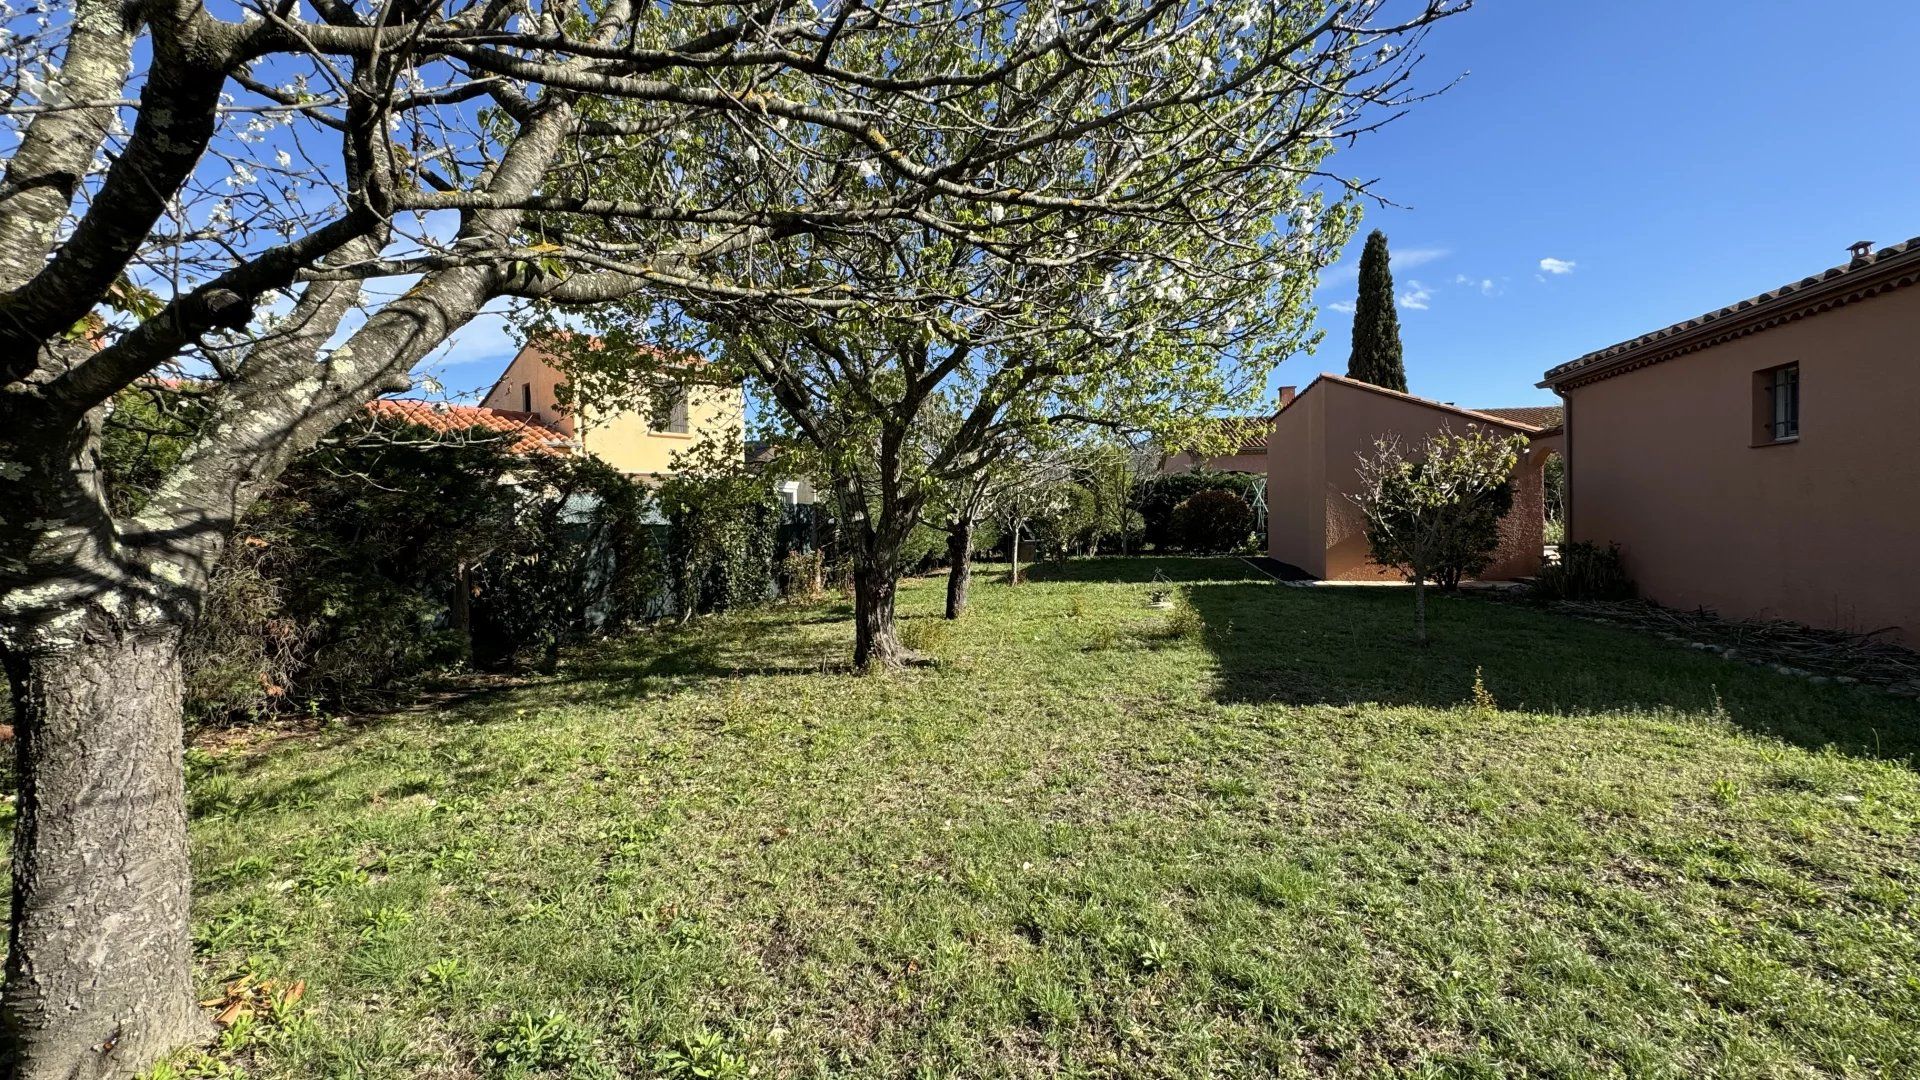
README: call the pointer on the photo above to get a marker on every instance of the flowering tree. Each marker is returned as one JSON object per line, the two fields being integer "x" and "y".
{"x": 213, "y": 191}
{"x": 1133, "y": 243}
{"x": 1438, "y": 509}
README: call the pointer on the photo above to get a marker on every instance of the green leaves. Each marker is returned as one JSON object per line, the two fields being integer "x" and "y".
{"x": 1436, "y": 513}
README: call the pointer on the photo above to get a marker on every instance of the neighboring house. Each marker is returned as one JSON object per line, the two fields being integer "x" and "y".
{"x": 793, "y": 491}
{"x": 638, "y": 443}
{"x": 1762, "y": 461}
{"x": 526, "y": 433}
{"x": 1249, "y": 457}
{"x": 1313, "y": 457}
{"x": 1544, "y": 417}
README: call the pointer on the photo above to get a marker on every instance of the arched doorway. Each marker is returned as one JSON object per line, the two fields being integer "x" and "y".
{"x": 1553, "y": 485}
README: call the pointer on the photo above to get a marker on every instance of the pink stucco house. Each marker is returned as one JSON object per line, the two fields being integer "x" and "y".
{"x": 1313, "y": 453}
{"x": 1763, "y": 460}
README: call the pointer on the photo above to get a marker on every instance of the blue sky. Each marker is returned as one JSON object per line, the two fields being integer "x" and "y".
{"x": 1673, "y": 157}
{"x": 1678, "y": 156}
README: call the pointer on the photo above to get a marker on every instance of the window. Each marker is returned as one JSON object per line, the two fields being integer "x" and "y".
{"x": 1776, "y": 405}
{"x": 526, "y": 397}
{"x": 671, "y": 410}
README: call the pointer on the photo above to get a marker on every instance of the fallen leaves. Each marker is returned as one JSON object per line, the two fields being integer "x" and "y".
{"x": 248, "y": 996}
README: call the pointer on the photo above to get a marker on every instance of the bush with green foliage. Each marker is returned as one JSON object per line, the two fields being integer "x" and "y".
{"x": 924, "y": 549}
{"x": 1213, "y": 520}
{"x": 1064, "y": 522}
{"x": 393, "y": 551}
{"x": 354, "y": 556}
{"x": 1435, "y": 513}
{"x": 586, "y": 557}
{"x": 726, "y": 520}
{"x": 334, "y": 588}
{"x": 1472, "y": 538}
{"x": 1585, "y": 572}
{"x": 1155, "y": 498}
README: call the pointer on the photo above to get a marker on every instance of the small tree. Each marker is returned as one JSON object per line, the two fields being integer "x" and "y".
{"x": 1430, "y": 513}
{"x": 1376, "y": 355}
{"x": 1002, "y": 492}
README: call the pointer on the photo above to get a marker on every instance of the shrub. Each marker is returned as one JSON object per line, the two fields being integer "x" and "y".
{"x": 1154, "y": 499}
{"x": 1585, "y": 572}
{"x": 1436, "y": 514}
{"x": 1212, "y": 520}
{"x": 358, "y": 548}
{"x": 924, "y": 549}
{"x": 803, "y": 575}
{"x": 584, "y": 557}
{"x": 726, "y": 521}
{"x": 392, "y": 552}
{"x": 246, "y": 650}
{"x": 1467, "y": 545}
{"x": 1065, "y": 522}
{"x": 1184, "y": 622}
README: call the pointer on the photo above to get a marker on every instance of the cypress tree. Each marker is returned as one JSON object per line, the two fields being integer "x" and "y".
{"x": 1376, "y": 325}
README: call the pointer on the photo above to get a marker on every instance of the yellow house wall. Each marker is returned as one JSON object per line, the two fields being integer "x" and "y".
{"x": 530, "y": 368}
{"x": 624, "y": 440}
{"x": 628, "y": 442}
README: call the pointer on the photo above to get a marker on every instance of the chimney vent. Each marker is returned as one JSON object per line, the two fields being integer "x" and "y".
{"x": 1862, "y": 250}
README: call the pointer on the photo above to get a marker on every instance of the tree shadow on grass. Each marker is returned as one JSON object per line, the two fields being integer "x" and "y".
{"x": 1335, "y": 645}
{"x": 1140, "y": 570}
{"x": 806, "y": 641}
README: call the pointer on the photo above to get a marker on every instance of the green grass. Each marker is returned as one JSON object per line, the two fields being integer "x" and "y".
{"x": 1260, "y": 834}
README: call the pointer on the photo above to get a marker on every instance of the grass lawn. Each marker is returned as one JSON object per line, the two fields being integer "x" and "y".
{"x": 1092, "y": 839}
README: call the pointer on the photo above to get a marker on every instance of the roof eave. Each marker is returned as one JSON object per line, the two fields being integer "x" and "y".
{"x": 1441, "y": 406}
{"x": 1884, "y": 272}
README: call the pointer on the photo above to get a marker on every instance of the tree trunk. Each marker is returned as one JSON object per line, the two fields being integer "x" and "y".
{"x": 1420, "y": 610}
{"x": 960, "y": 569}
{"x": 876, "y": 641}
{"x": 460, "y": 607}
{"x": 1013, "y": 554}
{"x": 99, "y": 964}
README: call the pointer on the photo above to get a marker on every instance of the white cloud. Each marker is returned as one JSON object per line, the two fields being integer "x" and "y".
{"x": 1485, "y": 285}
{"x": 1557, "y": 266}
{"x": 1416, "y": 297}
{"x": 1342, "y": 308}
{"x": 1407, "y": 260}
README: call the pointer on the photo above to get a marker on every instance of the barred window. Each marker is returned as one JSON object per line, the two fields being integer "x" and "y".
{"x": 1783, "y": 402}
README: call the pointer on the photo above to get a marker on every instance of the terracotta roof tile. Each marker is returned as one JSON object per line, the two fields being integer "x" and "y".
{"x": 530, "y": 435}
{"x": 1540, "y": 416}
{"x": 1601, "y": 356}
{"x": 1492, "y": 416}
